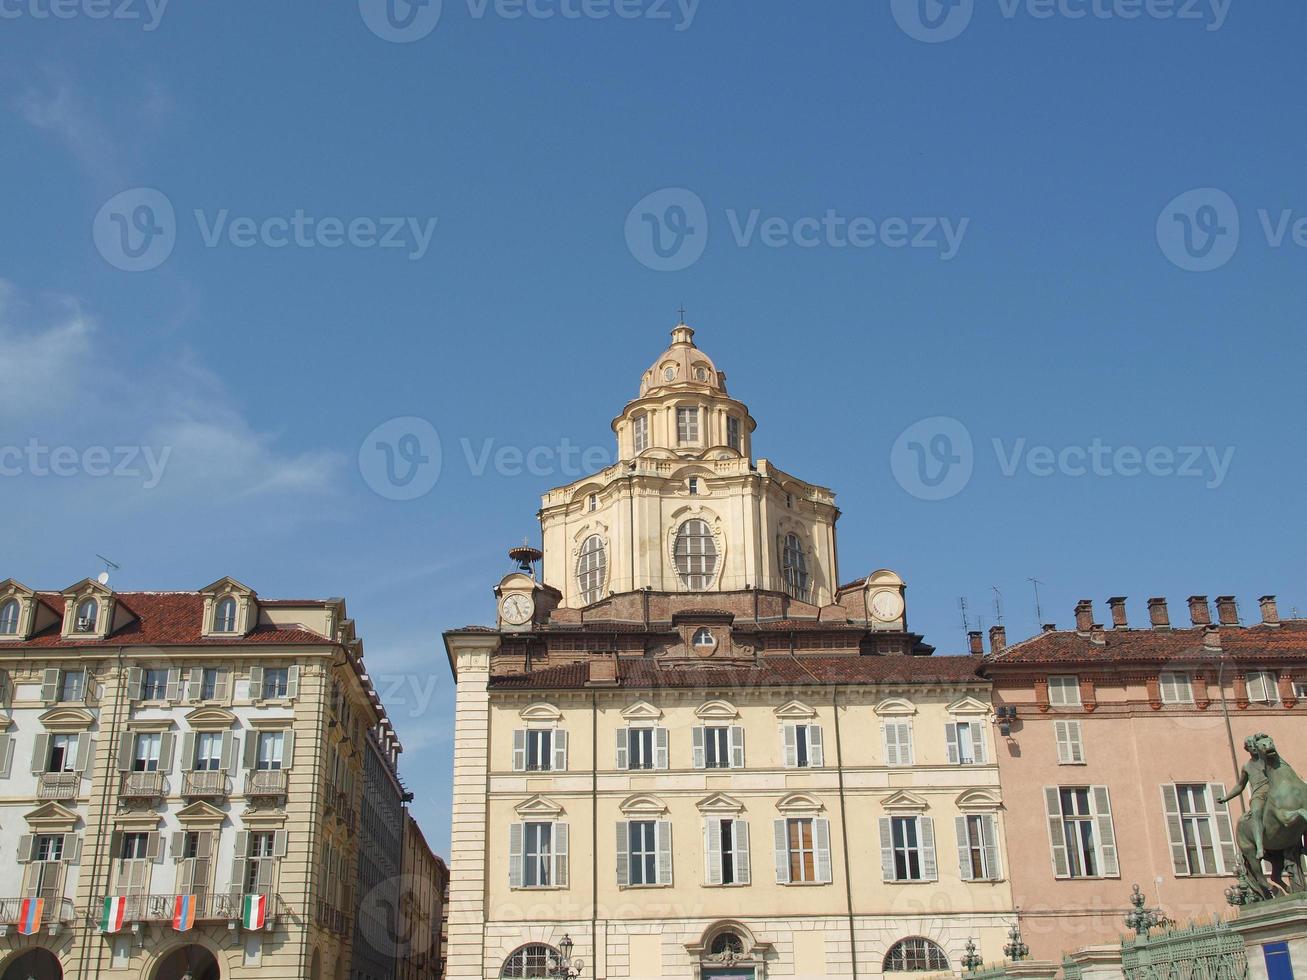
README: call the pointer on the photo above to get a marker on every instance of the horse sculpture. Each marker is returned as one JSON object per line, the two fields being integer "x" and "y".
{"x": 1283, "y": 821}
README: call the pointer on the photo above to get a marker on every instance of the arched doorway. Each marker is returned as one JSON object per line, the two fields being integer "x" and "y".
{"x": 188, "y": 963}
{"x": 36, "y": 964}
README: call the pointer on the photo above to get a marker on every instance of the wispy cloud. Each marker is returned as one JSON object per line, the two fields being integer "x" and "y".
{"x": 53, "y": 104}
{"x": 42, "y": 366}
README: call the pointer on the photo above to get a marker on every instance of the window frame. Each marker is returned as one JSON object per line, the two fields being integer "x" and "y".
{"x": 1270, "y": 681}
{"x": 1180, "y": 693}
{"x": 541, "y": 860}
{"x": 68, "y": 685}
{"x": 695, "y": 554}
{"x": 925, "y": 951}
{"x": 226, "y": 614}
{"x": 648, "y": 834}
{"x": 592, "y": 569}
{"x": 270, "y": 690}
{"x": 11, "y": 616}
{"x": 640, "y": 432}
{"x": 794, "y": 567}
{"x": 733, "y": 439}
{"x": 687, "y": 425}
{"x": 1073, "y": 688}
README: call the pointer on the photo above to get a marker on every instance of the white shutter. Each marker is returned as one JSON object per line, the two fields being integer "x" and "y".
{"x": 736, "y": 737}
{"x": 25, "y": 843}
{"x": 72, "y": 853}
{"x": 907, "y": 756}
{"x": 890, "y": 743}
{"x": 1174, "y": 830}
{"x": 188, "y": 750}
{"x": 1224, "y": 829}
{"x": 964, "y": 848}
{"x": 165, "y": 752}
{"x": 1056, "y": 840}
{"x": 978, "y": 743}
{"x": 256, "y": 683}
{"x": 698, "y": 747}
{"x": 174, "y": 691}
{"x": 951, "y": 735}
{"x": 178, "y": 845}
{"x": 663, "y": 830}
{"x": 40, "y": 754}
{"x": 231, "y": 751}
{"x": 712, "y": 851}
{"x": 816, "y": 750}
{"x": 196, "y": 675}
{"x": 288, "y": 749}
{"x": 85, "y": 746}
{"x": 133, "y": 683}
{"x": 293, "y": 682}
{"x": 821, "y": 841}
{"x": 781, "y": 852}
{"x": 989, "y": 832}
{"x": 6, "y": 756}
{"x": 887, "y": 849}
{"x": 660, "y": 748}
{"x": 929, "y": 866}
{"x": 623, "y": 746}
{"x": 560, "y": 835}
{"x": 280, "y": 841}
{"x": 519, "y": 750}
{"x": 50, "y": 684}
{"x": 515, "y": 834}
{"x": 1069, "y": 748}
{"x": 560, "y": 751}
{"x": 125, "y": 751}
{"x": 623, "y": 853}
{"x": 743, "y": 870}
{"x": 790, "y": 745}
{"x": 1102, "y": 806}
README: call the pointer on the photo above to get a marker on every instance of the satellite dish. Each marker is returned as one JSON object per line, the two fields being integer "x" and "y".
{"x": 103, "y": 578}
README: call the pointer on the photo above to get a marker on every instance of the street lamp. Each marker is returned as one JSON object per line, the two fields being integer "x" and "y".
{"x": 972, "y": 961}
{"x": 1015, "y": 950}
{"x": 567, "y": 968}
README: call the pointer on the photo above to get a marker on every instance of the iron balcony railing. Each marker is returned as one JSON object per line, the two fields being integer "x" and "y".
{"x": 200, "y": 784}
{"x": 56, "y": 910}
{"x": 331, "y": 918}
{"x": 58, "y": 785}
{"x": 266, "y": 782}
{"x": 221, "y": 905}
{"x": 143, "y": 786}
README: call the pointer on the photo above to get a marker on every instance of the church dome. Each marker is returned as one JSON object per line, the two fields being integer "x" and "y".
{"x": 683, "y": 366}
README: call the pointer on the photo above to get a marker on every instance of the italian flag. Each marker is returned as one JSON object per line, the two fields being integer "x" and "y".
{"x": 254, "y": 911}
{"x": 29, "y": 915}
{"x": 115, "y": 910}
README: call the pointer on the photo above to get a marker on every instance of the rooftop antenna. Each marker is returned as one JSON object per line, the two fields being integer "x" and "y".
{"x": 1039, "y": 613}
{"x": 109, "y": 566}
{"x": 966, "y": 618}
{"x": 998, "y": 605}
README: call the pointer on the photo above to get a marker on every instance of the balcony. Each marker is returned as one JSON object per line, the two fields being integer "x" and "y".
{"x": 213, "y": 907}
{"x": 201, "y": 785}
{"x": 267, "y": 783}
{"x": 58, "y": 911}
{"x": 143, "y": 786}
{"x": 58, "y": 785}
{"x": 331, "y": 918}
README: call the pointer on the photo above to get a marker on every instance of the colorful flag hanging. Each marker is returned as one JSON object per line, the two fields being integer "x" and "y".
{"x": 183, "y": 913}
{"x": 254, "y": 911}
{"x": 29, "y": 915}
{"x": 115, "y": 912}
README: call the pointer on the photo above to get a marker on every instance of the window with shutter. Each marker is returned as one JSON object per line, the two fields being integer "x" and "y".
{"x": 1176, "y": 687}
{"x": 1263, "y": 687}
{"x": 897, "y": 736}
{"x": 643, "y": 852}
{"x": 1070, "y": 749}
{"x": 1064, "y": 691}
{"x": 1197, "y": 843}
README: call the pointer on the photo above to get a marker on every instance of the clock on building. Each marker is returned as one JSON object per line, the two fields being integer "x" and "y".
{"x": 516, "y": 608}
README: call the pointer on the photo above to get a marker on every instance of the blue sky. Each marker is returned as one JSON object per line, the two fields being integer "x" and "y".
{"x": 800, "y": 149}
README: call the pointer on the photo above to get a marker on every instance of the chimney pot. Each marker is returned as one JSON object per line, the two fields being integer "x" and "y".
{"x": 1227, "y": 608}
{"x": 1200, "y": 614}
{"x": 1097, "y": 635}
{"x": 997, "y": 639}
{"x": 1084, "y": 615}
{"x": 1117, "y": 605}
{"x": 1270, "y": 612}
{"x": 977, "y": 643}
{"x": 1157, "y": 613}
{"x": 1050, "y": 627}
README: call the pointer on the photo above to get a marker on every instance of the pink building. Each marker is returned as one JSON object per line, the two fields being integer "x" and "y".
{"x": 1119, "y": 751}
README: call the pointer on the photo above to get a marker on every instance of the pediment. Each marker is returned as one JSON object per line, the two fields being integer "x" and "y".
{"x": 225, "y": 586}
{"x": 87, "y": 586}
{"x": 210, "y": 718}
{"x": 200, "y": 812}
{"x": 979, "y": 799}
{"x": 642, "y": 711}
{"x": 905, "y": 801}
{"x": 896, "y": 706}
{"x": 643, "y": 804}
{"x": 51, "y": 816}
{"x": 720, "y": 803}
{"x": 800, "y": 803}
{"x": 884, "y": 576}
{"x": 540, "y": 711}
{"x": 796, "y": 709}
{"x": 717, "y": 709}
{"x": 12, "y": 587}
{"x": 67, "y": 719}
{"x": 263, "y": 819}
{"x": 968, "y": 706}
{"x": 539, "y": 806}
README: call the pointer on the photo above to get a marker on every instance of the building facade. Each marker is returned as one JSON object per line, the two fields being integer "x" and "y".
{"x": 179, "y": 783}
{"x": 377, "y": 950}
{"x": 1120, "y": 752}
{"x": 421, "y": 907}
{"x": 690, "y": 752}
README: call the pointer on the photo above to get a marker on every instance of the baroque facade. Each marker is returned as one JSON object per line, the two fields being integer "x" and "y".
{"x": 689, "y": 751}
{"x": 180, "y": 781}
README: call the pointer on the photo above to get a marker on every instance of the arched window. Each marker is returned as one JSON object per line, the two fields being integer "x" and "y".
{"x": 726, "y": 942}
{"x": 915, "y": 955}
{"x": 224, "y": 616}
{"x": 88, "y": 613}
{"x": 696, "y": 554}
{"x": 591, "y": 569}
{"x": 794, "y": 566}
{"x": 9, "y": 618}
{"x": 703, "y": 637}
{"x": 535, "y": 960}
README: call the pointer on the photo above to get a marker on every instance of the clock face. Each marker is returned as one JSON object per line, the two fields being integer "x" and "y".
{"x": 516, "y": 608}
{"x": 887, "y": 605}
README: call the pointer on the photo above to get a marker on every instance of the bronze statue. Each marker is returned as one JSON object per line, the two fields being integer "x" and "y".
{"x": 1273, "y": 828}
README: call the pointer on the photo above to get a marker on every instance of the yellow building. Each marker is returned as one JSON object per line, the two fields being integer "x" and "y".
{"x": 200, "y": 745}
{"x": 689, "y": 751}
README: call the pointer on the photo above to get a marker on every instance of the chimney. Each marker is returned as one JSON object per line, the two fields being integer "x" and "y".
{"x": 1227, "y": 608}
{"x": 1117, "y": 605}
{"x": 1270, "y": 612}
{"x": 977, "y": 643}
{"x": 997, "y": 639}
{"x": 1097, "y": 635}
{"x": 1084, "y": 615}
{"x": 1050, "y": 627}
{"x": 1157, "y": 614}
{"x": 1212, "y": 638}
{"x": 1200, "y": 614}
{"x": 602, "y": 671}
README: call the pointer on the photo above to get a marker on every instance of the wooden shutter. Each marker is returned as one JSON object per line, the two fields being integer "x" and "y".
{"x": 816, "y": 748}
{"x": 178, "y": 846}
{"x": 165, "y": 752}
{"x": 1224, "y": 829}
{"x": 193, "y": 680}
{"x": 989, "y": 836}
{"x": 663, "y": 832}
{"x": 887, "y": 849}
{"x": 698, "y": 747}
{"x": 256, "y": 683}
{"x": 174, "y": 691}
{"x": 85, "y": 747}
{"x": 781, "y": 843}
{"x": 1102, "y": 808}
{"x": 133, "y": 683}
{"x": 790, "y": 743}
{"x": 125, "y": 751}
{"x": 743, "y": 864}
{"x": 280, "y": 840}
{"x": 516, "y": 833}
{"x": 50, "y": 685}
{"x": 623, "y": 853}
{"x": 735, "y": 737}
{"x": 712, "y": 850}
{"x": 964, "y": 848}
{"x": 287, "y": 748}
{"x": 951, "y": 736}
{"x": 221, "y": 683}
{"x": 660, "y": 748}
{"x": 560, "y": 751}
{"x": 25, "y": 844}
{"x": 251, "y": 749}
{"x": 1067, "y": 734}
{"x": 978, "y": 743}
{"x": 821, "y": 844}
{"x": 188, "y": 751}
{"x": 293, "y": 682}
{"x": 1174, "y": 830}
{"x": 560, "y": 836}
{"x": 230, "y": 752}
{"x": 154, "y": 847}
{"x": 926, "y": 832}
{"x": 1056, "y": 839}
{"x": 623, "y": 749}
{"x": 72, "y": 853}
{"x": 6, "y": 755}
{"x": 40, "y": 754}
{"x": 519, "y": 750}
{"x": 906, "y": 753}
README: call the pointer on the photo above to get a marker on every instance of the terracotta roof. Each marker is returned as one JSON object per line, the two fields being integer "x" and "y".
{"x": 162, "y": 619}
{"x": 769, "y": 672}
{"x": 1288, "y": 641}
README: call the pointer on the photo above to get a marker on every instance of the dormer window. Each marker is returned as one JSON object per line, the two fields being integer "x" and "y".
{"x": 88, "y": 614}
{"x": 687, "y": 425}
{"x": 641, "y": 433}
{"x": 9, "y": 618}
{"x": 703, "y": 637}
{"x": 694, "y": 486}
{"x": 224, "y": 615}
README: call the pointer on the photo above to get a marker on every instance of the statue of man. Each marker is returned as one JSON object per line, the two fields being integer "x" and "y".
{"x": 1253, "y": 775}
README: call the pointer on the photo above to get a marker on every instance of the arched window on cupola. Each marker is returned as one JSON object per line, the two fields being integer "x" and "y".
{"x": 794, "y": 567}
{"x": 9, "y": 618}
{"x": 591, "y": 569}
{"x": 696, "y": 554}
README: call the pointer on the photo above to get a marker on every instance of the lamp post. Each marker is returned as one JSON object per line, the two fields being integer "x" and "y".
{"x": 1141, "y": 920}
{"x": 972, "y": 961}
{"x": 566, "y": 968}
{"x": 1015, "y": 950}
